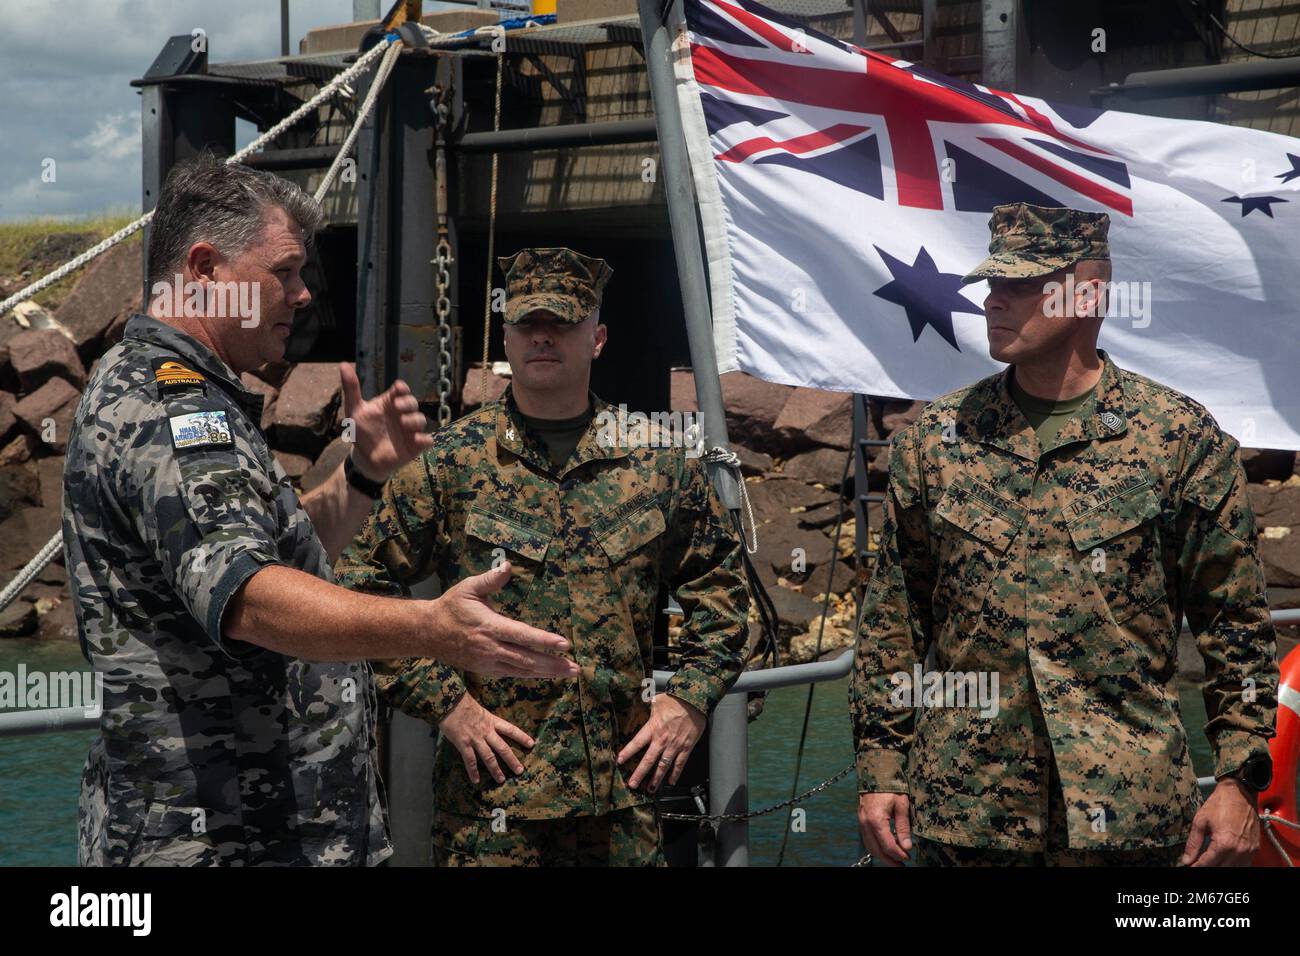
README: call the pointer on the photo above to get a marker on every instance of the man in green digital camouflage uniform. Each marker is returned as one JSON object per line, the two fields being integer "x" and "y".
{"x": 1050, "y": 526}
{"x": 590, "y": 521}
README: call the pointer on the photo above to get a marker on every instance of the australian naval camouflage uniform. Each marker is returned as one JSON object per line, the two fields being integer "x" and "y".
{"x": 589, "y": 544}
{"x": 1067, "y": 573}
{"x": 211, "y": 751}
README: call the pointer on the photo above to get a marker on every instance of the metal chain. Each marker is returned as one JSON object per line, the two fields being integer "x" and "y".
{"x": 749, "y": 814}
{"x": 442, "y": 260}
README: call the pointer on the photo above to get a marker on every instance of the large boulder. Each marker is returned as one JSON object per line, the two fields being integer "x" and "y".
{"x": 794, "y": 611}
{"x": 777, "y": 497}
{"x": 1279, "y": 550}
{"x": 8, "y": 420}
{"x": 821, "y": 580}
{"x": 274, "y": 373}
{"x": 326, "y": 464}
{"x": 20, "y": 487}
{"x": 295, "y": 466}
{"x": 54, "y": 403}
{"x": 751, "y": 404}
{"x": 812, "y": 417}
{"x": 18, "y": 449}
{"x": 1277, "y": 513}
{"x": 269, "y": 394}
{"x": 8, "y": 378}
{"x": 108, "y": 293}
{"x": 19, "y": 619}
{"x": 783, "y": 544}
{"x": 472, "y": 392}
{"x": 1265, "y": 464}
{"x": 752, "y": 462}
{"x": 38, "y": 356}
{"x": 895, "y": 414}
{"x": 306, "y": 407}
{"x": 1276, "y": 505}
{"x": 825, "y": 466}
{"x": 56, "y": 617}
{"x": 24, "y": 533}
{"x": 50, "y": 472}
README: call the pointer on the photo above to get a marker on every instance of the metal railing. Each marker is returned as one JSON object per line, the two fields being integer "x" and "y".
{"x": 727, "y": 741}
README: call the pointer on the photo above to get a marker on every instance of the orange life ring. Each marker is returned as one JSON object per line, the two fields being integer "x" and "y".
{"x": 1280, "y": 798}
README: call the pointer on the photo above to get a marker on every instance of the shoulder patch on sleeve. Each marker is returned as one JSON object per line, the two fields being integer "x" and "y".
{"x": 207, "y": 429}
{"x": 169, "y": 373}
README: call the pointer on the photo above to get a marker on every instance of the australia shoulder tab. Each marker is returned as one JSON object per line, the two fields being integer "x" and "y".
{"x": 170, "y": 374}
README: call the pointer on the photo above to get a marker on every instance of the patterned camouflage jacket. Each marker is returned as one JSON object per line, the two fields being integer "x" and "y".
{"x": 210, "y": 750}
{"x": 588, "y": 547}
{"x": 1067, "y": 574}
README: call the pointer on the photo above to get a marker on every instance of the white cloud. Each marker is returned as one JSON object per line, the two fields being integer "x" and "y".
{"x": 114, "y": 137}
{"x": 65, "y": 93}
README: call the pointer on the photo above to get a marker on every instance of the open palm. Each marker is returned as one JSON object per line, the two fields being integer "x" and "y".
{"x": 389, "y": 429}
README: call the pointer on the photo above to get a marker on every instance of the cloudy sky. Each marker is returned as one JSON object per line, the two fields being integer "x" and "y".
{"x": 65, "y": 70}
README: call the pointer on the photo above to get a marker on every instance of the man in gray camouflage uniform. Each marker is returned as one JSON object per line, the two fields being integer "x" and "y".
{"x": 238, "y": 712}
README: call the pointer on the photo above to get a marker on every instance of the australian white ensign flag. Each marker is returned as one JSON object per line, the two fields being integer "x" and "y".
{"x": 844, "y": 194}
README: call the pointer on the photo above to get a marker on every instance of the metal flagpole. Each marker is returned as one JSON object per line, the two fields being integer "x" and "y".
{"x": 676, "y": 171}
{"x": 729, "y": 731}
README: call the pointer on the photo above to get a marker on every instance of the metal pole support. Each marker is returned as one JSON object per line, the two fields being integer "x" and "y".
{"x": 729, "y": 778}
{"x": 661, "y": 22}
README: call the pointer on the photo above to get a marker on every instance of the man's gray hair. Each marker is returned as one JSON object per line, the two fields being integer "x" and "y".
{"x": 206, "y": 199}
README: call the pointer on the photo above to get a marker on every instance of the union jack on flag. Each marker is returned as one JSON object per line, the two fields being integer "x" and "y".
{"x": 844, "y": 193}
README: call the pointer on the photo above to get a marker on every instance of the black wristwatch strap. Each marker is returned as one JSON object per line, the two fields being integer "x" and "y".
{"x": 1256, "y": 773}
{"x": 371, "y": 489}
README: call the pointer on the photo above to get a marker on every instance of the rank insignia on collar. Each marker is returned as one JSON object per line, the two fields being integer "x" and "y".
{"x": 1111, "y": 421}
{"x": 169, "y": 373}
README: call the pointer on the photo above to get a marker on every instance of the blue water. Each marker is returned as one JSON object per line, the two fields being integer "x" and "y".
{"x": 40, "y": 775}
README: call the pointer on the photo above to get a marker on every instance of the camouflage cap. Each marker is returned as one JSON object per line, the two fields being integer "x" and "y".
{"x": 563, "y": 282}
{"x": 1030, "y": 241}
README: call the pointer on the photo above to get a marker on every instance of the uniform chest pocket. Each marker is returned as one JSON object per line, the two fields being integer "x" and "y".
{"x": 981, "y": 513}
{"x": 632, "y": 549}
{"x": 975, "y": 530}
{"x": 638, "y": 531}
{"x": 1117, "y": 544}
{"x": 494, "y": 537}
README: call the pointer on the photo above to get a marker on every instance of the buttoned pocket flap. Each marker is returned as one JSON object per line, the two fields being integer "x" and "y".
{"x": 501, "y": 532}
{"x": 979, "y": 511}
{"x": 639, "y": 530}
{"x": 1122, "y": 512}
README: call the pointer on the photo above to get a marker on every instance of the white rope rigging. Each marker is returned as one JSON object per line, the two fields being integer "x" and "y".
{"x": 390, "y": 50}
{"x": 33, "y": 567}
{"x": 372, "y": 97}
{"x": 729, "y": 458}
